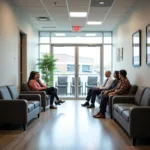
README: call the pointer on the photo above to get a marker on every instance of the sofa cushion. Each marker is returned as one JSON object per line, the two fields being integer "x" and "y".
{"x": 4, "y": 93}
{"x": 13, "y": 91}
{"x": 139, "y": 95}
{"x": 133, "y": 89}
{"x": 145, "y": 101}
{"x": 115, "y": 106}
{"x": 123, "y": 107}
{"x": 35, "y": 103}
{"x": 30, "y": 107}
{"x": 125, "y": 114}
{"x": 25, "y": 87}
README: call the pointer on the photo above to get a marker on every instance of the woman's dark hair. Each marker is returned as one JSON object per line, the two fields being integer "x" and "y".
{"x": 117, "y": 74}
{"x": 123, "y": 73}
{"x": 32, "y": 76}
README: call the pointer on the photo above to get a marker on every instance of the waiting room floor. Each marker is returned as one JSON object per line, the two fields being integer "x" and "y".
{"x": 70, "y": 127}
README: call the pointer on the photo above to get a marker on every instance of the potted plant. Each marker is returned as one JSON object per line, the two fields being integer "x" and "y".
{"x": 47, "y": 65}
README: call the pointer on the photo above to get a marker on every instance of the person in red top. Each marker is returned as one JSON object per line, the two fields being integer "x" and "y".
{"x": 39, "y": 86}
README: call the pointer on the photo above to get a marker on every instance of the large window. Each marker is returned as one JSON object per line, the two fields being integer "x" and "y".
{"x": 86, "y": 68}
{"x": 73, "y": 38}
{"x": 44, "y": 49}
{"x": 49, "y": 38}
{"x": 44, "y": 37}
{"x": 86, "y": 47}
{"x": 70, "y": 68}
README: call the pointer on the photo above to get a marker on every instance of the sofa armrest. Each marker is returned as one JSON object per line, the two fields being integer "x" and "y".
{"x": 139, "y": 121}
{"x": 30, "y": 97}
{"x": 110, "y": 106}
{"x": 13, "y": 111}
{"x": 123, "y": 99}
{"x": 42, "y": 93}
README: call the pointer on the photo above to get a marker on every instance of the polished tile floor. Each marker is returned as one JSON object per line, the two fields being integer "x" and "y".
{"x": 70, "y": 127}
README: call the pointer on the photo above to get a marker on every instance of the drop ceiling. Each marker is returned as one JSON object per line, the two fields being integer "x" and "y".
{"x": 110, "y": 13}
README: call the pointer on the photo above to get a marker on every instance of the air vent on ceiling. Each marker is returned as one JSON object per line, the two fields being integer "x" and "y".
{"x": 57, "y": 4}
{"x": 49, "y": 27}
{"x": 43, "y": 19}
{"x": 101, "y": 3}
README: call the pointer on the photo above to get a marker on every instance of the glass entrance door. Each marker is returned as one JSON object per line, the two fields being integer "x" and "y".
{"x": 64, "y": 74}
{"x": 78, "y": 69}
{"x": 89, "y": 68}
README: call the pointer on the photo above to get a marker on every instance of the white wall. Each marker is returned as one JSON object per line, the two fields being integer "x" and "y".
{"x": 138, "y": 19}
{"x": 11, "y": 21}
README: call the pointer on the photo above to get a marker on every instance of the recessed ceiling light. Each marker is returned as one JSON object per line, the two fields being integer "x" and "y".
{"x": 78, "y": 14}
{"x": 60, "y": 34}
{"x": 91, "y": 34}
{"x": 101, "y": 3}
{"x": 94, "y": 22}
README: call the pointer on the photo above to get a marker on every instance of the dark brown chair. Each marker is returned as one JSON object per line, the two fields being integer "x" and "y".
{"x": 45, "y": 99}
{"x": 18, "y": 108}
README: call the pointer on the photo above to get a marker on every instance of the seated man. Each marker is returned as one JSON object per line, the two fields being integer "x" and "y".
{"x": 97, "y": 90}
{"x": 122, "y": 87}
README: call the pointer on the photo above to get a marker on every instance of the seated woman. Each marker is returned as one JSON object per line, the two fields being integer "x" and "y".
{"x": 34, "y": 85}
{"x": 43, "y": 85}
{"x": 116, "y": 76}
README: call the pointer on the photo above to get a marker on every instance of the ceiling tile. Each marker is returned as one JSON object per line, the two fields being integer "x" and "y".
{"x": 124, "y": 3}
{"x": 27, "y": 2}
{"x": 99, "y": 10}
{"x": 107, "y": 3}
{"x": 78, "y": 21}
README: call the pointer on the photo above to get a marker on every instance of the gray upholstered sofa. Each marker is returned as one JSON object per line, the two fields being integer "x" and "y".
{"x": 45, "y": 99}
{"x": 132, "y": 91}
{"x": 133, "y": 113}
{"x": 18, "y": 108}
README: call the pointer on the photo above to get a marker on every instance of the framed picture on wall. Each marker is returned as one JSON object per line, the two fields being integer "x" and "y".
{"x": 121, "y": 54}
{"x": 136, "y": 48}
{"x": 148, "y": 44}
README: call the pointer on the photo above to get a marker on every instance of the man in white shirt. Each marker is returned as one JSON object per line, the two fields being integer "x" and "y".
{"x": 97, "y": 90}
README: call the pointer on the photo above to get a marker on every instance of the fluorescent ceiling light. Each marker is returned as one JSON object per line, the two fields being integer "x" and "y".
{"x": 78, "y": 14}
{"x": 101, "y": 3}
{"x": 94, "y": 23}
{"x": 60, "y": 34}
{"x": 91, "y": 34}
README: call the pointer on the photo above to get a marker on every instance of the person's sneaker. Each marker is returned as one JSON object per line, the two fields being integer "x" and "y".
{"x": 52, "y": 107}
{"x": 91, "y": 106}
{"x": 85, "y": 104}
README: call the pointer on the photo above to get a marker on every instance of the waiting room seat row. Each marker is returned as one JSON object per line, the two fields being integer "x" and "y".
{"x": 62, "y": 84}
{"x": 132, "y": 112}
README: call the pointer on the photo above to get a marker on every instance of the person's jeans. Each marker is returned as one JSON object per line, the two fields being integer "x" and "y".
{"x": 103, "y": 104}
{"x": 92, "y": 94}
